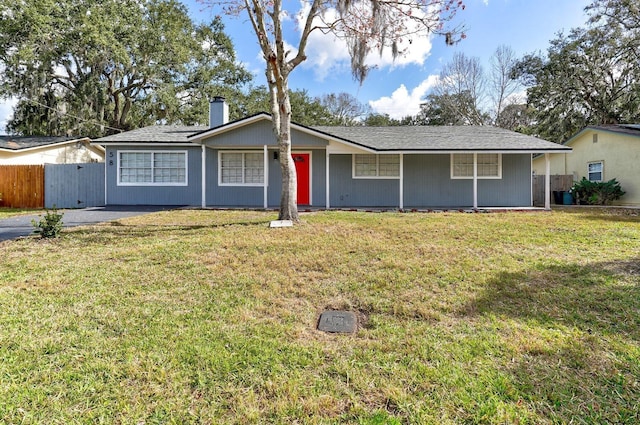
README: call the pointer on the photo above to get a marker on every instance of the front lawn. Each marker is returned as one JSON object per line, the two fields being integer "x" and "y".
{"x": 209, "y": 317}
{"x": 6, "y": 212}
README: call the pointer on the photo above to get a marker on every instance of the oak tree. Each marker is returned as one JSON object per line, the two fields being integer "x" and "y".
{"x": 589, "y": 76}
{"x": 93, "y": 67}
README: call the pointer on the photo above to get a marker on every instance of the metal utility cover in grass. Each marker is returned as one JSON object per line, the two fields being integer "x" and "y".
{"x": 337, "y": 321}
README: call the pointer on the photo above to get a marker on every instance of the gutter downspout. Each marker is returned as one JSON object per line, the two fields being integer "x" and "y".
{"x": 266, "y": 177}
{"x": 475, "y": 181}
{"x": 547, "y": 182}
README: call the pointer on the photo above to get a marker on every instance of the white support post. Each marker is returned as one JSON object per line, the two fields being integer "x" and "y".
{"x": 203, "y": 197}
{"x": 547, "y": 182}
{"x": 266, "y": 177}
{"x": 475, "y": 181}
{"x": 401, "y": 181}
{"x": 108, "y": 163}
{"x": 326, "y": 174}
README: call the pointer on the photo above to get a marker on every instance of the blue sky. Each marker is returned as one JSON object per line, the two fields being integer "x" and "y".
{"x": 397, "y": 87}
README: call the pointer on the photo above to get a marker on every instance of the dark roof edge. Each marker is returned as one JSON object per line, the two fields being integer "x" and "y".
{"x": 629, "y": 131}
{"x": 248, "y": 117}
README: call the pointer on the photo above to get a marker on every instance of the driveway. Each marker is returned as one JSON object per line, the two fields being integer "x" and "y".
{"x": 15, "y": 227}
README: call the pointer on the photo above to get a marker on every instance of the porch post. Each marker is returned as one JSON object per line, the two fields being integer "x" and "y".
{"x": 265, "y": 179}
{"x": 204, "y": 177}
{"x": 475, "y": 181}
{"x": 401, "y": 181}
{"x": 547, "y": 182}
{"x": 326, "y": 184}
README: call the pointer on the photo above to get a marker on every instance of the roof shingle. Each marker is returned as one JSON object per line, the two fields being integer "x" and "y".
{"x": 400, "y": 138}
{"x": 441, "y": 138}
{"x": 16, "y": 143}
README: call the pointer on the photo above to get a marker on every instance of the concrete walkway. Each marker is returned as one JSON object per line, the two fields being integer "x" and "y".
{"x": 19, "y": 226}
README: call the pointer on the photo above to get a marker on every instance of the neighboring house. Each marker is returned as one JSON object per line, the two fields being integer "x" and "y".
{"x": 602, "y": 153}
{"x": 235, "y": 164}
{"x": 19, "y": 150}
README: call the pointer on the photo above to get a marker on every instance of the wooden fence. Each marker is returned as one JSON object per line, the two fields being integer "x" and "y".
{"x": 22, "y": 186}
{"x": 558, "y": 182}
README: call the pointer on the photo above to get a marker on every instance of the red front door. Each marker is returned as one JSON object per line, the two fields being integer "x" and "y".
{"x": 302, "y": 161}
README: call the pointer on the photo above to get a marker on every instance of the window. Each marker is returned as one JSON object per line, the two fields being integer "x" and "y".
{"x": 595, "y": 171}
{"x": 241, "y": 168}
{"x": 374, "y": 166}
{"x": 489, "y": 166}
{"x": 161, "y": 168}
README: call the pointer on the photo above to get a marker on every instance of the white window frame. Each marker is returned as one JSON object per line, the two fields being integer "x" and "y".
{"x": 589, "y": 172}
{"x": 243, "y": 152}
{"x": 153, "y": 153}
{"x": 455, "y": 177}
{"x": 377, "y": 176}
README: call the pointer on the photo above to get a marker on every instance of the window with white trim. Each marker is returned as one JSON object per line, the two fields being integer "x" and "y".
{"x": 595, "y": 170}
{"x": 372, "y": 166}
{"x": 489, "y": 165}
{"x": 148, "y": 168}
{"x": 241, "y": 168}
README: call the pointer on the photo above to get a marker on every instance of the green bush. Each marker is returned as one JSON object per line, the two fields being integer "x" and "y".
{"x": 587, "y": 192}
{"x": 50, "y": 225}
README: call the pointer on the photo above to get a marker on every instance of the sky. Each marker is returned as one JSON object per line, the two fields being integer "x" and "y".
{"x": 397, "y": 87}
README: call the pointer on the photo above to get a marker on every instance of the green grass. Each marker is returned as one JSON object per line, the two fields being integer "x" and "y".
{"x": 10, "y": 212}
{"x": 209, "y": 317}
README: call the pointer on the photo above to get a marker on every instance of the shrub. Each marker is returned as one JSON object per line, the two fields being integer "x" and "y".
{"x": 596, "y": 193}
{"x": 50, "y": 225}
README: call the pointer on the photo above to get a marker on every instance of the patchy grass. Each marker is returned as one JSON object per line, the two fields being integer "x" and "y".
{"x": 11, "y": 212}
{"x": 209, "y": 317}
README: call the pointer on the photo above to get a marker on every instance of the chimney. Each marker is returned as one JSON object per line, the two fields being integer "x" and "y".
{"x": 218, "y": 112}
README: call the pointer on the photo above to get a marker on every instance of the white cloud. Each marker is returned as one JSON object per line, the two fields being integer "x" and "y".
{"x": 6, "y": 113}
{"x": 328, "y": 54}
{"x": 401, "y": 103}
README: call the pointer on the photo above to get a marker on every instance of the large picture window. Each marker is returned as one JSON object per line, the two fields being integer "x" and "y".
{"x": 241, "y": 168}
{"x": 489, "y": 166}
{"x": 161, "y": 168}
{"x": 595, "y": 171}
{"x": 374, "y": 166}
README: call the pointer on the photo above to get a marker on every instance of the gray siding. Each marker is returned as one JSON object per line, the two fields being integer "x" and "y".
{"x": 260, "y": 133}
{"x": 514, "y": 189}
{"x": 253, "y": 196}
{"x": 229, "y": 196}
{"x": 155, "y": 195}
{"x": 345, "y": 191}
{"x": 428, "y": 183}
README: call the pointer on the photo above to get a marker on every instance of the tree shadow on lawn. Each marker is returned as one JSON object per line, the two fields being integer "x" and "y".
{"x": 573, "y": 345}
{"x": 602, "y": 297}
{"x": 137, "y": 231}
{"x": 612, "y": 213}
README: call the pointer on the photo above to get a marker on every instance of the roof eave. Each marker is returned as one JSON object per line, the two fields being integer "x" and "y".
{"x": 49, "y": 145}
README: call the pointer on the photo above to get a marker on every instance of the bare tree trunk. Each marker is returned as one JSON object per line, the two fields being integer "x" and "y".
{"x": 289, "y": 195}
{"x": 281, "y": 115}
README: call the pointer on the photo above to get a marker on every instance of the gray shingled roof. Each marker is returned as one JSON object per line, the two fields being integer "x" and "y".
{"x": 401, "y": 138}
{"x": 441, "y": 138}
{"x": 629, "y": 129}
{"x": 16, "y": 143}
{"x": 154, "y": 134}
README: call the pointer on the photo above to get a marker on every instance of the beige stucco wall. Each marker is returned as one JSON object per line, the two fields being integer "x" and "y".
{"x": 620, "y": 155}
{"x": 59, "y": 154}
